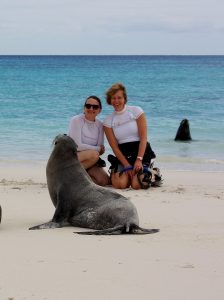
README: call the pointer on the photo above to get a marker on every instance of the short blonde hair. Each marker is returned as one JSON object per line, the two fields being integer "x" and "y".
{"x": 114, "y": 89}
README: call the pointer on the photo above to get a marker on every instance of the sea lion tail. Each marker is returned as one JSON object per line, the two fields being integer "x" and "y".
{"x": 49, "y": 225}
{"x": 121, "y": 229}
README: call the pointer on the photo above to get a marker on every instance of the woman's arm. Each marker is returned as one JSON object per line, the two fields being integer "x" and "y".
{"x": 101, "y": 135}
{"x": 114, "y": 145}
{"x": 142, "y": 130}
{"x": 100, "y": 142}
{"x": 75, "y": 132}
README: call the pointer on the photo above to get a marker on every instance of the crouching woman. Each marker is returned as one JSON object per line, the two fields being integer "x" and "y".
{"x": 126, "y": 132}
{"x": 87, "y": 132}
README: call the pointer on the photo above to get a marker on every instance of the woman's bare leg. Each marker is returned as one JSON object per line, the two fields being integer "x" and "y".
{"x": 120, "y": 181}
{"x": 88, "y": 158}
{"x": 99, "y": 176}
{"x": 135, "y": 183}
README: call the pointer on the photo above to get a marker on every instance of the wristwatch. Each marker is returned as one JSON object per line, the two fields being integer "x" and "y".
{"x": 140, "y": 158}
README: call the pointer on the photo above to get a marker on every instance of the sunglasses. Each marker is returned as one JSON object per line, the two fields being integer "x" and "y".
{"x": 94, "y": 106}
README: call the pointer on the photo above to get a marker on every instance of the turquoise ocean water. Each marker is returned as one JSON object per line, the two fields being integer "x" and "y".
{"x": 39, "y": 95}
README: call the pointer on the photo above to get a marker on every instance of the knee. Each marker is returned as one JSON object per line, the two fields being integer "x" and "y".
{"x": 120, "y": 181}
{"x": 135, "y": 183}
{"x": 104, "y": 181}
{"x": 99, "y": 176}
{"x": 95, "y": 155}
{"x": 88, "y": 158}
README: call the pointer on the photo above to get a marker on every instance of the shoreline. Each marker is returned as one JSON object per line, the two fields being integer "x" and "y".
{"x": 36, "y": 173}
{"x": 35, "y": 170}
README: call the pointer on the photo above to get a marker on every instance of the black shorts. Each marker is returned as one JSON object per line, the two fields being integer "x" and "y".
{"x": 130, "y": 151}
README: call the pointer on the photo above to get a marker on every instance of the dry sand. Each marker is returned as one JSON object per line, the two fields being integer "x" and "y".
{"x": 184, "y": 261}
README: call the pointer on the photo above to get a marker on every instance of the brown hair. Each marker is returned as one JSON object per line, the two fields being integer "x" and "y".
{"x": 114, "y": 89}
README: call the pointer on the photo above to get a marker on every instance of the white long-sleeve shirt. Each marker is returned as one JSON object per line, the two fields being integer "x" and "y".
{"x": 124, "y": 124}
{"x": 88, "y": 135}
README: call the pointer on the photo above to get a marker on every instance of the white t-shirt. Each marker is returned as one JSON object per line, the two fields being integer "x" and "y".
{"x": 88, "y": 135}
{"x": 124, "y": 124}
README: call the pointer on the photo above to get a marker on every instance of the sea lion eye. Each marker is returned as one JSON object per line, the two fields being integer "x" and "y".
{"x": 55, "y": 142}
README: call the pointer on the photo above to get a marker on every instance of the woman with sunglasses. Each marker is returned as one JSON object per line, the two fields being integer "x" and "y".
{"x": 126, "y": 131}
{"x": 87, "y": 131}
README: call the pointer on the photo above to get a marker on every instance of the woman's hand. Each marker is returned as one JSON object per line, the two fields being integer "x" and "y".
{"x": 137, "y": 166}
{"x": 131, "y": 174}
{"x": 128, "y": 170}
{"x": 102, "y": 149}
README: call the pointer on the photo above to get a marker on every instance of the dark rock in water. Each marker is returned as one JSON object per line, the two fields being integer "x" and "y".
{"x": 183, "y": 132}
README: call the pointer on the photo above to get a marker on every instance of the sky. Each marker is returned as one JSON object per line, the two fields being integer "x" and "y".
{"x": 115, "y": 27}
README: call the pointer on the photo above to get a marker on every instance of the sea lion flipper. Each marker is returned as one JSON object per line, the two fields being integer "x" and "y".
{"x": 139, "y": 230}
{"x": 62, "y": 210}
{"x": 49, "y": 225}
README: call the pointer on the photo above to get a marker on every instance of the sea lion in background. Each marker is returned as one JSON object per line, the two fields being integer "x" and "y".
{"x": 80, "y": 202}
{"x": 183, "y": 132}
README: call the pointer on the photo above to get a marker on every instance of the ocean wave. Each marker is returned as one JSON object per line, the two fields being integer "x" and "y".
{"x": 190, "y": 163}
{"x": 191, "y": 160}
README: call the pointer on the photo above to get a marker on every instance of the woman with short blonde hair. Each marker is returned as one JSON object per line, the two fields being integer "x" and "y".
{"x": 126, "y": 132}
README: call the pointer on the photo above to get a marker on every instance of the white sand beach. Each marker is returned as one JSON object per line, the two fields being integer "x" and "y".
{"x": 185, "y": 260}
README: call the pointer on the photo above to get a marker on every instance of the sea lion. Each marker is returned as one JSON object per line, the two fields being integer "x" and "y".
{"x": 80, "y": 202}
{"x": 183, "y": 132}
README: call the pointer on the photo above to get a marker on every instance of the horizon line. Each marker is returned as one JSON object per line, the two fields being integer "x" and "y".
{"x": 111, "y": 54}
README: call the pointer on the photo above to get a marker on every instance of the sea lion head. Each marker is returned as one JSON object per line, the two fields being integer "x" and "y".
{"x": 65, "y": 145}
{"x": 183, "y": 132}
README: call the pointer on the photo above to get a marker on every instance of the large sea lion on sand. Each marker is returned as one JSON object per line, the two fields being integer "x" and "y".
{"x": 80, "y": 202}
{"x": 183, "y": 132}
